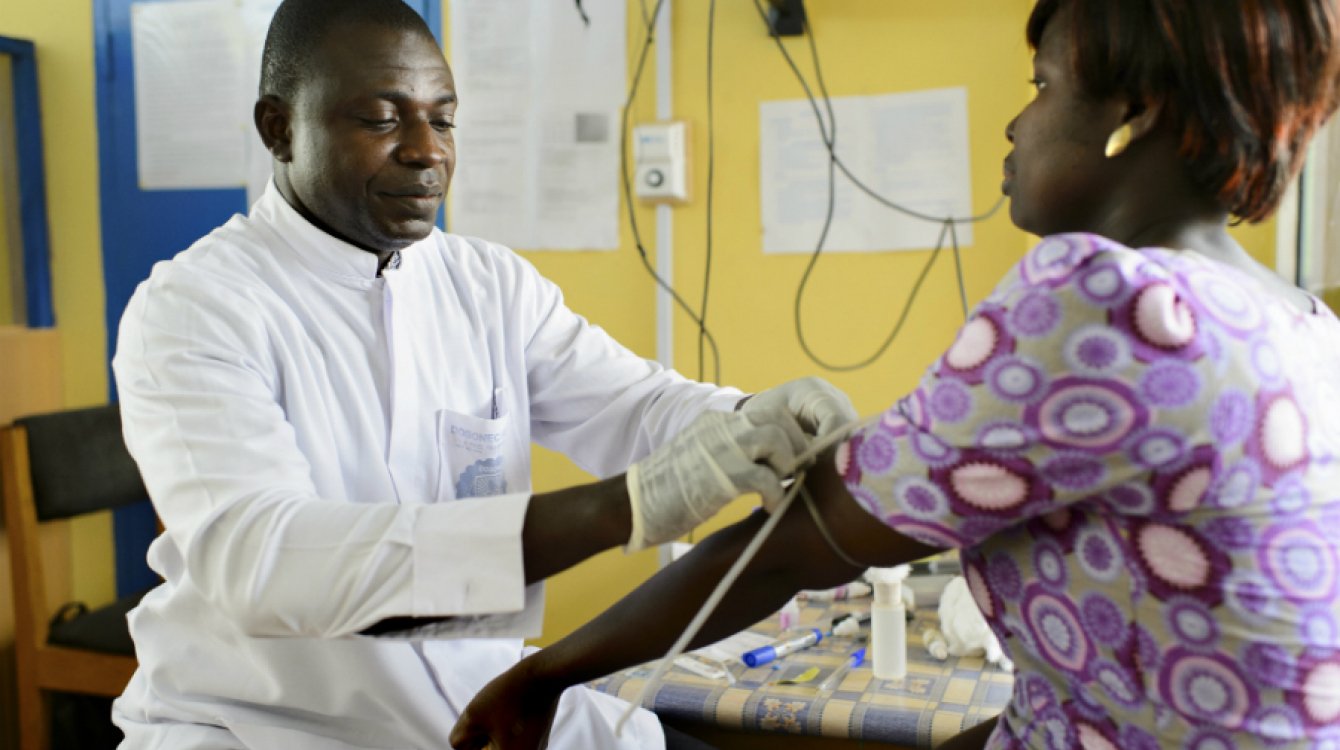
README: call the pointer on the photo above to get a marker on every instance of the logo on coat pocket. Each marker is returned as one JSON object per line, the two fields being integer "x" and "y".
{"x": 482, "y": 479}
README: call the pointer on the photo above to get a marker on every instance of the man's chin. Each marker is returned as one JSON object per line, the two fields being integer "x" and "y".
{"x": 407, "y": 231}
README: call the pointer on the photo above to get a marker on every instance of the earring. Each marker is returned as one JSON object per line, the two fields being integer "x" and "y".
{"x": 1120, "y": 139}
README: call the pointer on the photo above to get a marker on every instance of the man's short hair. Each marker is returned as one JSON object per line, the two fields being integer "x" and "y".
{"x": 300, "y": 26}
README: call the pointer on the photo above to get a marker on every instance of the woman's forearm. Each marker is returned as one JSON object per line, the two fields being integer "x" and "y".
{"x": 643, "y": 625}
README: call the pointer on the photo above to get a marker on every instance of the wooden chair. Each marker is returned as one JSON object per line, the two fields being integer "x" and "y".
{"x": 52, "y": 467}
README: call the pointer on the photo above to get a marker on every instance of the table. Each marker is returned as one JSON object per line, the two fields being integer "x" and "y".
{"x": 937, "y": 699}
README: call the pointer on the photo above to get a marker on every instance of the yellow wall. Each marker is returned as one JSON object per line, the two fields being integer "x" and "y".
{"x": 867, "y": 47}
{"x": 63, "y": 33}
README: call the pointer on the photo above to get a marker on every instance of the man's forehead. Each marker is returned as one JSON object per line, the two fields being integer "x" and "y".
{"x": 364, "y": 60}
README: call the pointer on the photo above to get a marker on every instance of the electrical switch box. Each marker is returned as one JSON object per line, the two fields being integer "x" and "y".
{"x": 661, "y": 162}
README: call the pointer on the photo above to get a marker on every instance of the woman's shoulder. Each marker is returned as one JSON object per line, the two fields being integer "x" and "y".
{"x": 1106, "y": 272}
{"x": 1056, "y": 259}
{"x": 1069, "y": 283}
{"x": 1101, "y": 271}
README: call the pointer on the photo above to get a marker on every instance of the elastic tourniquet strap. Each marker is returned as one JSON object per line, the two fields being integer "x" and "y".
{"x": 823, "y": 531}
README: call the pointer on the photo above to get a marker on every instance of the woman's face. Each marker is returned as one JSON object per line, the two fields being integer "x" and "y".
{"x": 1056, "y": 176}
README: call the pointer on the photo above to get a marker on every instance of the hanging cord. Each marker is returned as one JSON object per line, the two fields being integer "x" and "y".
{"x": 828, "y": 133}
{"x": 711, "y": 182}
{"x": 628, "y": 189}
{"x": 803, "y": 462}
{"x": 958, "y": 269}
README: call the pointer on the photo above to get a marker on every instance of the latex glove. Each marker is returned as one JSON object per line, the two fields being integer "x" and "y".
{"x": 717, "y": 458}
{"x": 811, "y": 403}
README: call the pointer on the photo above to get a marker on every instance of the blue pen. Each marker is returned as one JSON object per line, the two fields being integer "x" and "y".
{"x": 835, "y": 679}
{"x": 760, "y": 656}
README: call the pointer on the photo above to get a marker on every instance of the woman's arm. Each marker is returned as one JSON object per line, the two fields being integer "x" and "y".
{"x": 514, "y": 710}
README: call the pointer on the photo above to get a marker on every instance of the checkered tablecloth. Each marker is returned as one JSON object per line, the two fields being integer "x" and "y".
{"x": 936, "y": 700}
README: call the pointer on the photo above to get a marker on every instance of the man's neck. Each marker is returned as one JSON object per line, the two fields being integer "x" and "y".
{"x": 385, "y": 258}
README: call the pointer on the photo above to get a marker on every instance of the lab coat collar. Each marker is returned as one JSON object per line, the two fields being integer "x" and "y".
{"x": 327, "y": 255}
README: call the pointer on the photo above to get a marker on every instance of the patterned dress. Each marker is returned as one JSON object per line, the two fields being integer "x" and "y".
{"x": 1136, "y": 452}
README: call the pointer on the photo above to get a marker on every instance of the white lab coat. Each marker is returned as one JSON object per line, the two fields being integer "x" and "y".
{"x": 304, "y": 428}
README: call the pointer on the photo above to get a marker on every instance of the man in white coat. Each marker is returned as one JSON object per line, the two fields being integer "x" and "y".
{"x": 332, "y": 404}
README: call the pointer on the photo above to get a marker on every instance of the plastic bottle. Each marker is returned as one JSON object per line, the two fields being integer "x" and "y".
{"x": 888, "y": 622}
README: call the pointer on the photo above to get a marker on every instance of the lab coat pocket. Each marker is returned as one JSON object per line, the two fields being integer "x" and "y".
{"x": 261, "y": 737}
{"x": 477, "y": 456}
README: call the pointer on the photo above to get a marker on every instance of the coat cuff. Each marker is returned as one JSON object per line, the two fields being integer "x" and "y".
{"x": 727, "y": 400}
{"x": 468, "y": 557}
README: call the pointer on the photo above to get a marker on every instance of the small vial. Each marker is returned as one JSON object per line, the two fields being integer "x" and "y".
{"x": 888, "y": 623}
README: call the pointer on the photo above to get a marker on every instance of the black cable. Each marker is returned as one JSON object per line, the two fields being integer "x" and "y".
{"x": 829, "y": 135}
{"x": 711, "y": 181}
{"x": 958, "y": 269}
{"x": 628, "y": 185}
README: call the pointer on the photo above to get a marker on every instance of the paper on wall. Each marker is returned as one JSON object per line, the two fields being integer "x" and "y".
{"x": 911, "y": 148}
{"x": 538, "y": 126}
{"x": 197, "y": 72}
{"x": 189, "y": 97}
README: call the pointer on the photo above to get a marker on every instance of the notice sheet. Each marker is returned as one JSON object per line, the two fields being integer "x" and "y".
{"x": 191, "y": 110}
{"x": 911, "y": 148}
{"x": 538, "y": 126}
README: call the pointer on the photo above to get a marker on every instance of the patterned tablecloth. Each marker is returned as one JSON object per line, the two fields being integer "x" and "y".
{"x": 936, "y": 700}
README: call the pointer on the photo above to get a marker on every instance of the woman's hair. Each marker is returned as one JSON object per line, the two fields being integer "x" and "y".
{"x": 1246, "y": 82}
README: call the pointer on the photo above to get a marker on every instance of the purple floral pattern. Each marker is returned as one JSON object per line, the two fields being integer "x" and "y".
{"x": 1159, "y": 439}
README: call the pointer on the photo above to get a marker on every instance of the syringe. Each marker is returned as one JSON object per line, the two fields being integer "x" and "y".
{"x": 834, "y": 679}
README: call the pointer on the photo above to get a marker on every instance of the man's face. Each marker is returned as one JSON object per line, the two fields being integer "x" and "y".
{"x": 372, "y": 149}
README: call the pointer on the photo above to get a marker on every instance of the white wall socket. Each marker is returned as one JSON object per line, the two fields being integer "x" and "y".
{"x": 661, "y": 162}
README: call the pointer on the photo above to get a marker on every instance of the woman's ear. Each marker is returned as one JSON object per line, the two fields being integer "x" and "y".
{"x": 273, "y": 121}
{"x": 1144, "y": 117}
{"x": 1138, "y": 120}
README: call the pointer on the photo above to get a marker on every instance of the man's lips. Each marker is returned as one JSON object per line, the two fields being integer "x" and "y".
{"x": 415, "y": 191}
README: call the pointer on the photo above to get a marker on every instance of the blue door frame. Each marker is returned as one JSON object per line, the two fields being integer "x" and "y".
{"x": 32, "y": 181}
{"x": 142, "y": 227}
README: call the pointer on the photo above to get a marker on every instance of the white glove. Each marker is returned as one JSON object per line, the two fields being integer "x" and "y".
{"x": 717, "y": 458}
{"x": 812, "y": 404}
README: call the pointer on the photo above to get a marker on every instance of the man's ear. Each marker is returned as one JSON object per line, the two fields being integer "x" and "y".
{"x": 274, "y": 120}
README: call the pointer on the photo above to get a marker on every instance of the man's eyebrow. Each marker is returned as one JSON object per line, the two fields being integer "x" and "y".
{"x": 401, "y": 96}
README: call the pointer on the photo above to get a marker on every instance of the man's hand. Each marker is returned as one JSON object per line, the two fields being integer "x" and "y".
{"x": 513, "y": 712}
{"x": 714, "y": 460}
{"x": 812, "y": 403}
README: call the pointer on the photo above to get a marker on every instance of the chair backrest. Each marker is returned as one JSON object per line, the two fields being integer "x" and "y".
{"x": 79, "y": 463}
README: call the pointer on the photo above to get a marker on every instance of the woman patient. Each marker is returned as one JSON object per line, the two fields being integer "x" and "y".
{"x": 1135, "y": 440}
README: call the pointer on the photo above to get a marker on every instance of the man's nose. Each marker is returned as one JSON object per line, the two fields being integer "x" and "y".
{"x": 423, "y": 145}
{"x": 1009, "y": 130}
